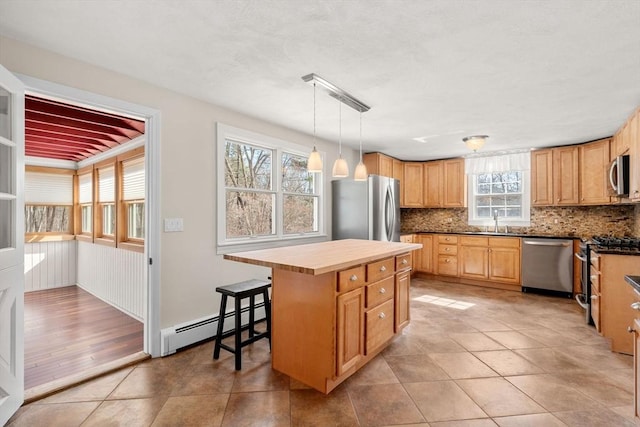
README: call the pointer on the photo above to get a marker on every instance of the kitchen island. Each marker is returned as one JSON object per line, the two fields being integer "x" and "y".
{"x": 335, "y": 305}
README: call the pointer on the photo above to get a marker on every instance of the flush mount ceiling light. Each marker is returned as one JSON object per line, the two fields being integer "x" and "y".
{"x": 340, "y": 167}
{"x": 475, "y": 142}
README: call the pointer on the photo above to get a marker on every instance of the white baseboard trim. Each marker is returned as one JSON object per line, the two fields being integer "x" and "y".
{"x": 183, "y": 335}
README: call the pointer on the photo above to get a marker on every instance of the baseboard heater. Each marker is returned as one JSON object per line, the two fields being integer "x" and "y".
{"x": 179, "y": 336}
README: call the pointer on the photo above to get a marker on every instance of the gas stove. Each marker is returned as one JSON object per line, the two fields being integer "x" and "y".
{"x": 615, "y": 244}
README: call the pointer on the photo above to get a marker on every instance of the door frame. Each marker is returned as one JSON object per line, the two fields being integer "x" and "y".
{"x": 153, "y": 185}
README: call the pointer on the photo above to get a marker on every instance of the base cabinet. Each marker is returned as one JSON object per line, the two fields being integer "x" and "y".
{"x": 350, "y": 343}
{"x": 636, "y": 370}
{"x": 496, "y": 259}
{"x": 402, "y": 300}
{"x": 424, "y": 262}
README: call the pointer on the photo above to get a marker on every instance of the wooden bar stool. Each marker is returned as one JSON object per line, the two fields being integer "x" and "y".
{"x": 239, "y": 291}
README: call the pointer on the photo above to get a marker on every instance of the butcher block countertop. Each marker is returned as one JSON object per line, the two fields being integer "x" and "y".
{"x": 324, "y": 257}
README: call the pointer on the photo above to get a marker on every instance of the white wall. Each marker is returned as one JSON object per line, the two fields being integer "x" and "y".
{"x": 49, "y": 265}
{"x": 114, "y": 275}
{"x": 190, "y": 268}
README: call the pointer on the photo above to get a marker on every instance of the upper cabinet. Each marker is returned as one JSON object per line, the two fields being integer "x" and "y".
{"x": 542, "y": 177}
{"x": 398, "y": 173}
{"x": 565, "y": 175}
{"x": 627, "y": 141}
{"x": 433, "y": 184}
{"x": 594, "y": 173}
{"x": 378, "y": 164}
{"x": 454, "y": 183}
{"x": 413, "y": 180}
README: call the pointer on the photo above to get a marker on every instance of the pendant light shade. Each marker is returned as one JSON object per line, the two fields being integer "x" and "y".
{"x": 360, "y": 173}
{"x": 340, "y": 167}
{"x": 314, "y": 162}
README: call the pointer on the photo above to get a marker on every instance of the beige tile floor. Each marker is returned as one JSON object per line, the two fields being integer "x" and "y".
{"x": 470, "y": 357}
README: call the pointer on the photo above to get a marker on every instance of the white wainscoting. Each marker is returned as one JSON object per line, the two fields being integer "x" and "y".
{"x": 114, "y": 275}
{"x": 49, "y": 265}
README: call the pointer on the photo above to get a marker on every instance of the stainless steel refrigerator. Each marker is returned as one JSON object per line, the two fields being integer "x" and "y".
{"x": 367, "y": 210}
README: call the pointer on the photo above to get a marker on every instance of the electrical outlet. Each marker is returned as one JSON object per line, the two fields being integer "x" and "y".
{"x": 555, "y": 221}
{"x": 173, "y": 225}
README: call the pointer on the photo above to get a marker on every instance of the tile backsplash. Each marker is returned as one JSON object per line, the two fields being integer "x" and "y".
{"x": 580, "y": 221}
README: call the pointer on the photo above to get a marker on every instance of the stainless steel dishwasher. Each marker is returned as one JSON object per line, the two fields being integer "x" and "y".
{"x": 547, "y": 266}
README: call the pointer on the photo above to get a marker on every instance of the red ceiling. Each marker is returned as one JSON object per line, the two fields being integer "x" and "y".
{"x": 61, "y": 131}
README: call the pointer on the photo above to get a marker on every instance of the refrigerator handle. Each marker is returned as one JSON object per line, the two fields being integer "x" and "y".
{"x": 389, "y": 217}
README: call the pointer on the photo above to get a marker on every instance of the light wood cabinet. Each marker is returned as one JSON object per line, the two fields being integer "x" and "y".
{"x": 616, "y": 297}
{"x": 447, "y": 255}
{"x": 554, "y": 176}
{"x": 413, "y": 179}
{"x": 594, "y": 173}
{"x": 454, "y": 183}
{"x": 378, "y": 164}
{"x": 636, "y": 370}
{"x": 424, "y": 261}
{"x": 565, "y": 175}
{"x": 433, "y": 184}
{"x": 402, "y": 300}
{"x": 496, "y": 259}
{"x": 634, "y": 152}
{"x": 350, "y": 333}
{"x": 398, "y": 173}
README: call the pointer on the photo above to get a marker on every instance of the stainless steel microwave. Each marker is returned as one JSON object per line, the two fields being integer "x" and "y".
{"x": 619, "y": 175}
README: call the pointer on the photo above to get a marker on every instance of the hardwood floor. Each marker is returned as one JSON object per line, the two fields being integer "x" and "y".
{"x": 68, "y": 330}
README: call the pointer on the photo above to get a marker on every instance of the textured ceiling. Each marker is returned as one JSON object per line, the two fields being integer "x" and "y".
{"x": 526, "y": 73}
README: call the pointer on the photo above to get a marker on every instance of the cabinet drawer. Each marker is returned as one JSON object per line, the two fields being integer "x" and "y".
{"x": 448, "y": 239}
{"x": 447, "y": 265}
{"x": 595, "y": 308}
{"x": 406, "y": 238}
{"x": 380, "y": 269}
{"x": 351, "y": 279}
{"x": 447, "y": 249}
{"x": 504, "y": 242}
{"x": 380, "y": 291}
{"x": 474, "y": 241}
{"x": 404, "y": 261}
{"x": 379, "y": 321}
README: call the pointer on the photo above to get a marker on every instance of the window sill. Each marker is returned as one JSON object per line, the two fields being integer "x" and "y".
{"x": 105, "y": 242}
{"x": 33, "y": 238}
{"x": 228, "y": 248}
{"x": 130, "y": 246}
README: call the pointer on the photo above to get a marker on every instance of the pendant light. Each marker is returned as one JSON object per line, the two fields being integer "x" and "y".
{"x": 314, "y": 163}
{"x": 361, "y": 170}
{"x": 340, "y": 167}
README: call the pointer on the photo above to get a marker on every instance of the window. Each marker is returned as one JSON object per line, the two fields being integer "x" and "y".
{"x": 133, "y": 182}
{"x": 85, "y": 202}
{"x": 265, "y": 193}
{"x": 105, "y": 221}
{"x": 499, "y": 185}
{"x": 48, "y": 201}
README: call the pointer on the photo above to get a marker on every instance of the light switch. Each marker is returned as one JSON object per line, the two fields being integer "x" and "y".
{"x": 173, "y": 225}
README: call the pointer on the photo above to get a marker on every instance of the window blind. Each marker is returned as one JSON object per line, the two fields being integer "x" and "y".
{"x": 133, "y": 179}
{"x": 48, "y": 188}
{"x": 501, "y": 163}
{"x": 106, "y": 185}
{"x": 85, "y": 191}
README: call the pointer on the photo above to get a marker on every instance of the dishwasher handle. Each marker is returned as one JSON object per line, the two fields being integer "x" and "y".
{"x": 538, "y": 243}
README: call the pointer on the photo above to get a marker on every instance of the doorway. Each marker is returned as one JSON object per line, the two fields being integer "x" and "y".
{"x": 90, "y": 257}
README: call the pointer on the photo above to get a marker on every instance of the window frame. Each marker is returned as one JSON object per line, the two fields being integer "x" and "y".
{"x": 523, "y": 221}
{"x": 98, "y": 218}
{"x": 278, "y": 147}
{"x": 52, "y": 235}
{"x": 122, "y": 208}
{"x": 81, "y": 235}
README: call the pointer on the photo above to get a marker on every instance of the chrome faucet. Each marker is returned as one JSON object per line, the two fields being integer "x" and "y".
{"x": 495, "y": 218}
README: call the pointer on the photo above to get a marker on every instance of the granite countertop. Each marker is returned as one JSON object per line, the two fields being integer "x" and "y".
{"x": 634, "y": 281}
{"x": 491, "y": 233}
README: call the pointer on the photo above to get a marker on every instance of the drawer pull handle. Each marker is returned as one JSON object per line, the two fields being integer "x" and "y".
{"x": 636, "y": 306}
{"x": 405, "y": 262}
{"x": 353, "y": 278}
{"x": 383, "y": 268}
{"x": 630, "y": 329}
{"x": 447, "y": 260}
{"x": 447, "y": 249}
{"x": 594, "y": 297}
{"x": 383, "y": 290}
{"x": 382, "y": 315}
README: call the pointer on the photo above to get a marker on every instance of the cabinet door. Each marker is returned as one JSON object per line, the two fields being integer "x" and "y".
{"x": 350, "y": 332}
{"x": 433, "y": 182}
{"x": 448, "y": 265}
{"x": 636, "y": 370}
{"x": 594, "y": 173}
{"x": 402, "y": 300}
{"x": 398, "y": 173}
{"x": 542, "y": 177}
{"x": 380, "y": 326}
{"x": 386, "y": 165}
{"x": 474, "y": 261}
{"x": 565, "y": 175}
{"x": 413, "y": 179}
{"x": 504, "y": 265}
{"x": 634, "y": 151}
{"x": 454, "y": 183}
{"x": 424, "y": 261}
{"x": 378, "y": 164}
